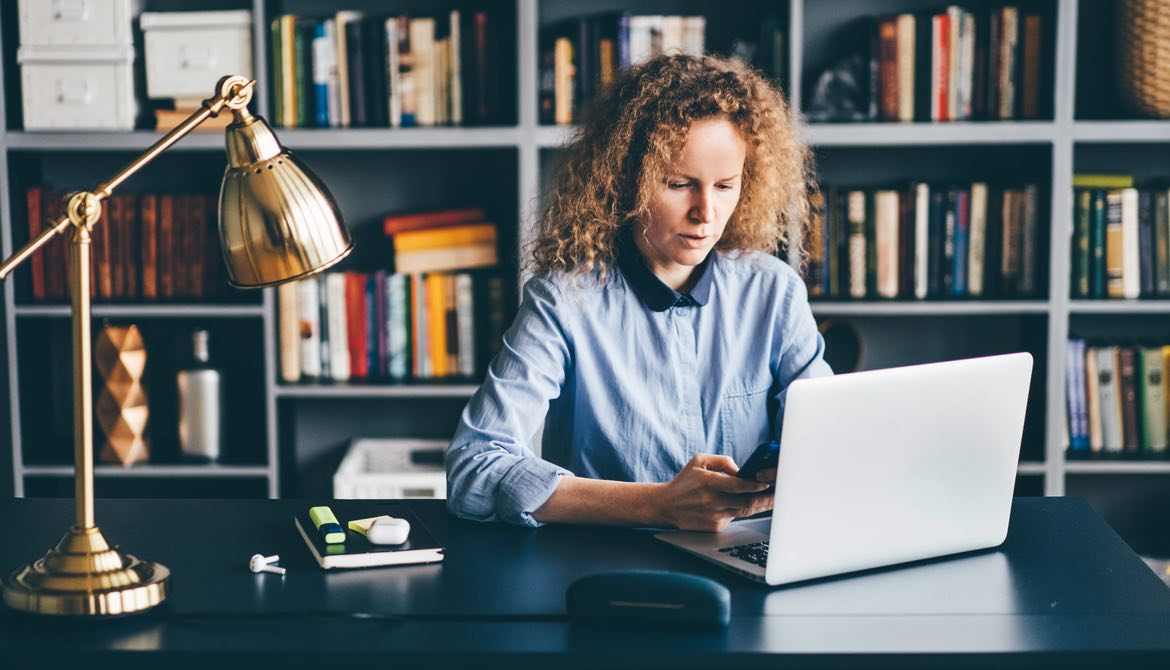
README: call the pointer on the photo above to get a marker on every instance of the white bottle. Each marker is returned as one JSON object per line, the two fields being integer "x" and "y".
{"x": 199, "y": 404}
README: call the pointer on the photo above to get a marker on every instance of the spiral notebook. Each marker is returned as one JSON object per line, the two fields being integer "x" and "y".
{"x": 358, "y": 552}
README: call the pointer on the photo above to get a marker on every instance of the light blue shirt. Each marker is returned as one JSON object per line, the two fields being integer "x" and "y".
{"x": 631, "y": 380}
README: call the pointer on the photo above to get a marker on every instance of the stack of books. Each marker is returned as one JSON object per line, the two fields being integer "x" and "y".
{"x": 146, "y": 246}
{"x": 1117, "y": 400}
{"x": 956, "y": 64}
{"x": 925, "y": 241}
{"x": 1121, "y": 238}
{"x": 454, "y": 239}
{"x": 353, "y": 70}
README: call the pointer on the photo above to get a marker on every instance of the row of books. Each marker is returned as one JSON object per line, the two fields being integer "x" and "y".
{"x": 581, "y": 54}
{"x": 957, "y": 65}
{"x": 1117, "y": 399}
{"x": 1121, "y": 242}
{"x": 925, "y": 241}
{"x": 146, "y": 246}
{"x": 353, "y": 70}
{"x": 391, "y": 327}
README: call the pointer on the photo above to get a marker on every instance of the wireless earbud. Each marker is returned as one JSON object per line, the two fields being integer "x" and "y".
{"x": 261, "y": 563}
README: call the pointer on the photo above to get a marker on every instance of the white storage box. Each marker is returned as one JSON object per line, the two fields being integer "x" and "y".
{"x": 78, "y": 22}
{"x": 78, "y": 88}
{"x": 392, "y": 468}
{"x": 187, "y": 52}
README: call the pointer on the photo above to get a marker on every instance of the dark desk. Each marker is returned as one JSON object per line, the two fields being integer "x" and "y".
{"x": 1063, "y": 589}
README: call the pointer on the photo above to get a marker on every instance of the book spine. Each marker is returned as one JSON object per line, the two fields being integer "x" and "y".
{"x": 886, "y": 234}
{"x": 148, "y": 234}
{"x": 465, "y": 324}
{"x": 382, "y": 323}
{"x": 857, "y": 243}
{"x": 1146, "y": 247}
{"x": 1074, "y": 389}
{"x": 1131, "y": 254}
{"x": 1098, "y": 244}
{"x": 962, "y": 234}
{"x": 325, "y": 344}
{"x": 1109, "y": 387}
{"x": 397, "y": 316}
{"x": 1093, "y": 399}
{"x": 1127, "y": 372}
{"x": 338, "y": 327}
{"x": 323, "y": 67}
{"x": 1083, "y": 206}
{"x": 309, "y": 323}
{"x": 977, "y": 239}
{"x": 289, "y": 333}
{"x": 921, "y": 193}
{"x": 1153, "y": 399}
{"x": 1162, "y": 242}
{"x": 1030, "y": 235}
{"x": 373, "y": 327}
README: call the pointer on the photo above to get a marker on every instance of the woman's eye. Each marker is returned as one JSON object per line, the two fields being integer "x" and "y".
{"x": 726, "y": 187}
{"x": 677, "y": 184}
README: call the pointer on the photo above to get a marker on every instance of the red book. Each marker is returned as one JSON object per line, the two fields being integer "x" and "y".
{"x": 941, "y": 65}
{"x": 101, "y": 258}
{"x": 355, "y": 317}
{"x": 36, "y": 263}
{"x": 888, "y": 68}
{"x": 166, "y": 246}
{"x": 393, "y": 224}
{"x": 148, "y": 250}
{"x": 128, "y": 230}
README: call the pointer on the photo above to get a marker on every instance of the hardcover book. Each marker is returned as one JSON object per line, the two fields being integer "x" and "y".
{"x": 358, "y": 552}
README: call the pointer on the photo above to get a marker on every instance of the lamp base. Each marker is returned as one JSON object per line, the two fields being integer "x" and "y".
{"x": 84, "y": 576}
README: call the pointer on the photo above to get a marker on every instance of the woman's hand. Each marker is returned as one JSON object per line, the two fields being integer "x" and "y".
{"x": 706, "y": 494}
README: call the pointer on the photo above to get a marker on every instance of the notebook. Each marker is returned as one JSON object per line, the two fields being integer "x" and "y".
{"x": 358, "y": 552}
{"x": 884, "y": 467}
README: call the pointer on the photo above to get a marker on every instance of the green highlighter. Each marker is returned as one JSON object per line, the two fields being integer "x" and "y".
{"x": 327, "y": 524}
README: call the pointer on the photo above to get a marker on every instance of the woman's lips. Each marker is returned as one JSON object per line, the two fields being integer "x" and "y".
{"x": 694, "y": 241}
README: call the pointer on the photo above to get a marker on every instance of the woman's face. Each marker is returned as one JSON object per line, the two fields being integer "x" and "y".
{"x": 694, "y": 202}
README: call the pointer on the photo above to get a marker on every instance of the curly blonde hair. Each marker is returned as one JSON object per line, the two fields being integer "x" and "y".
{"x": 632, "y": 133}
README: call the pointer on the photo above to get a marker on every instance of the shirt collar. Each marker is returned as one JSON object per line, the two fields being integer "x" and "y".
{"x": 650, "y": 289}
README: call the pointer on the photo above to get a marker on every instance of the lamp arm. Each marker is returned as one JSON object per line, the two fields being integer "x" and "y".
{"x": 234, "y": 92}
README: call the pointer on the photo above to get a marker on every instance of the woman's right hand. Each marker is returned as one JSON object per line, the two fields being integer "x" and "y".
{"x": 706, "y": 495}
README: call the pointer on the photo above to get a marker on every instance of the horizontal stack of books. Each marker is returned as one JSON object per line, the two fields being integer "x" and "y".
{"x": 439, "y": 241}
{"x": 956, "y": 64}
{"x": 353, "y": 70}
{"x": 1121, "y": 238}
{"x": 925, "y": 241}
{"x": 1117, "y": 400}
{"x": 146, "y": 246}
{"x": 389, "y": 327}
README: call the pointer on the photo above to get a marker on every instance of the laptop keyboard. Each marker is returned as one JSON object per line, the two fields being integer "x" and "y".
{"x": 756, "y": 552}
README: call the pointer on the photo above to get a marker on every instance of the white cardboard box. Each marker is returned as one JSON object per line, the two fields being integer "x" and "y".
{"x": 78, "y": 88}
{"x": 188, "y": 52}
{"x": 391, "y": 469}
{"x": 78, "y": 22}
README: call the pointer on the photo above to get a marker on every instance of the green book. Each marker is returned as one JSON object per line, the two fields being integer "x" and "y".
{"x": 1082, "y": 255}
{"x": 1162, "y": 242}
{"x": 277, "y": 77}
{"x": 1097, "y": 244}
{"x": 1152, "y": 392}
{"x": 1102, "y": 180}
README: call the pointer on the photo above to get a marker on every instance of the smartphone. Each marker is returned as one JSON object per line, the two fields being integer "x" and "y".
{"x": 767, "y": 455}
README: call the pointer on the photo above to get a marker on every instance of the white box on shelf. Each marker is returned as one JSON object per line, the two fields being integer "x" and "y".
{"x": 78, "y": 88}
{"x": 78, "y": 22}
{"x": 392, "y": 468}
{"x": 187, "y": 52}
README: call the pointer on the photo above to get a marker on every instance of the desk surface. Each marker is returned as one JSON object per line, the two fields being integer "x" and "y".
{"x": 1063, "y": 588}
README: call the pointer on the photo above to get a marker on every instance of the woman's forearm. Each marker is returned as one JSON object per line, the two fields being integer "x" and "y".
{"x": 596, "y": 501}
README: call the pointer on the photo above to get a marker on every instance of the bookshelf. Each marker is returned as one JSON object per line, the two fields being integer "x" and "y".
{"x": 296, "y": 431}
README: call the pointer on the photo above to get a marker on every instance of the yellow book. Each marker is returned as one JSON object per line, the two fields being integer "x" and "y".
{"x": 450, "y": 236}
{"x": 288, "y": 64}
{"x": 1102, "y": 180}
{"x": 437, "y": 325}
{"x": 452, "y": 327}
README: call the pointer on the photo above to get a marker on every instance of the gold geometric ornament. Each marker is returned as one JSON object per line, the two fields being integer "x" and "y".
{"x": 122, "y": 409}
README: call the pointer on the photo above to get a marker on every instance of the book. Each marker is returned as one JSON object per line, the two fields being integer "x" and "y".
{"x": 446, "y": 236}
{"x": 395, "y": 224}
{"x": 464, "y": 256}
{"x": 359, "y": 552}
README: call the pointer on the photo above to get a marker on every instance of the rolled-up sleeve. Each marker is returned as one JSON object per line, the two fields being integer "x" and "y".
{"x": 492, "y": 472}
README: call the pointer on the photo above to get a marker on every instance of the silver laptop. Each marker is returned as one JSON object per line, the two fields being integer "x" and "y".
{"x": 884, "y": 467}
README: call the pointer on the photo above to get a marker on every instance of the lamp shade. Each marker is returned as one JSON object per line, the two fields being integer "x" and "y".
{"x": 277, "y": 221}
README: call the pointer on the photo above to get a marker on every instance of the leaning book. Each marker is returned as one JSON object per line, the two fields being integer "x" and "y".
{"x": 357, "y": 552}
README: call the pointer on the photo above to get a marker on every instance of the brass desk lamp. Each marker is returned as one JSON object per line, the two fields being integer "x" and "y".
{"x": 277, "y": 223}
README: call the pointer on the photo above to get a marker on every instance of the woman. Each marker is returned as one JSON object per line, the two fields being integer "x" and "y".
{"x": 659, "y": 333}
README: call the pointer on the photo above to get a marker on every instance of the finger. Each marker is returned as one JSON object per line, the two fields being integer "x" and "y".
{"x": 716, "y": 463}
{"x": 726, "y": 483}
{"x": 766, "y": 475}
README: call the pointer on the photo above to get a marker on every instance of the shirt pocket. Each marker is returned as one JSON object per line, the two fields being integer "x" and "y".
{"x": 746, "y": 421}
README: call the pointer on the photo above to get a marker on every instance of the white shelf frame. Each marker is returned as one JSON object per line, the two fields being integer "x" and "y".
{"x": 528, "y": 138}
